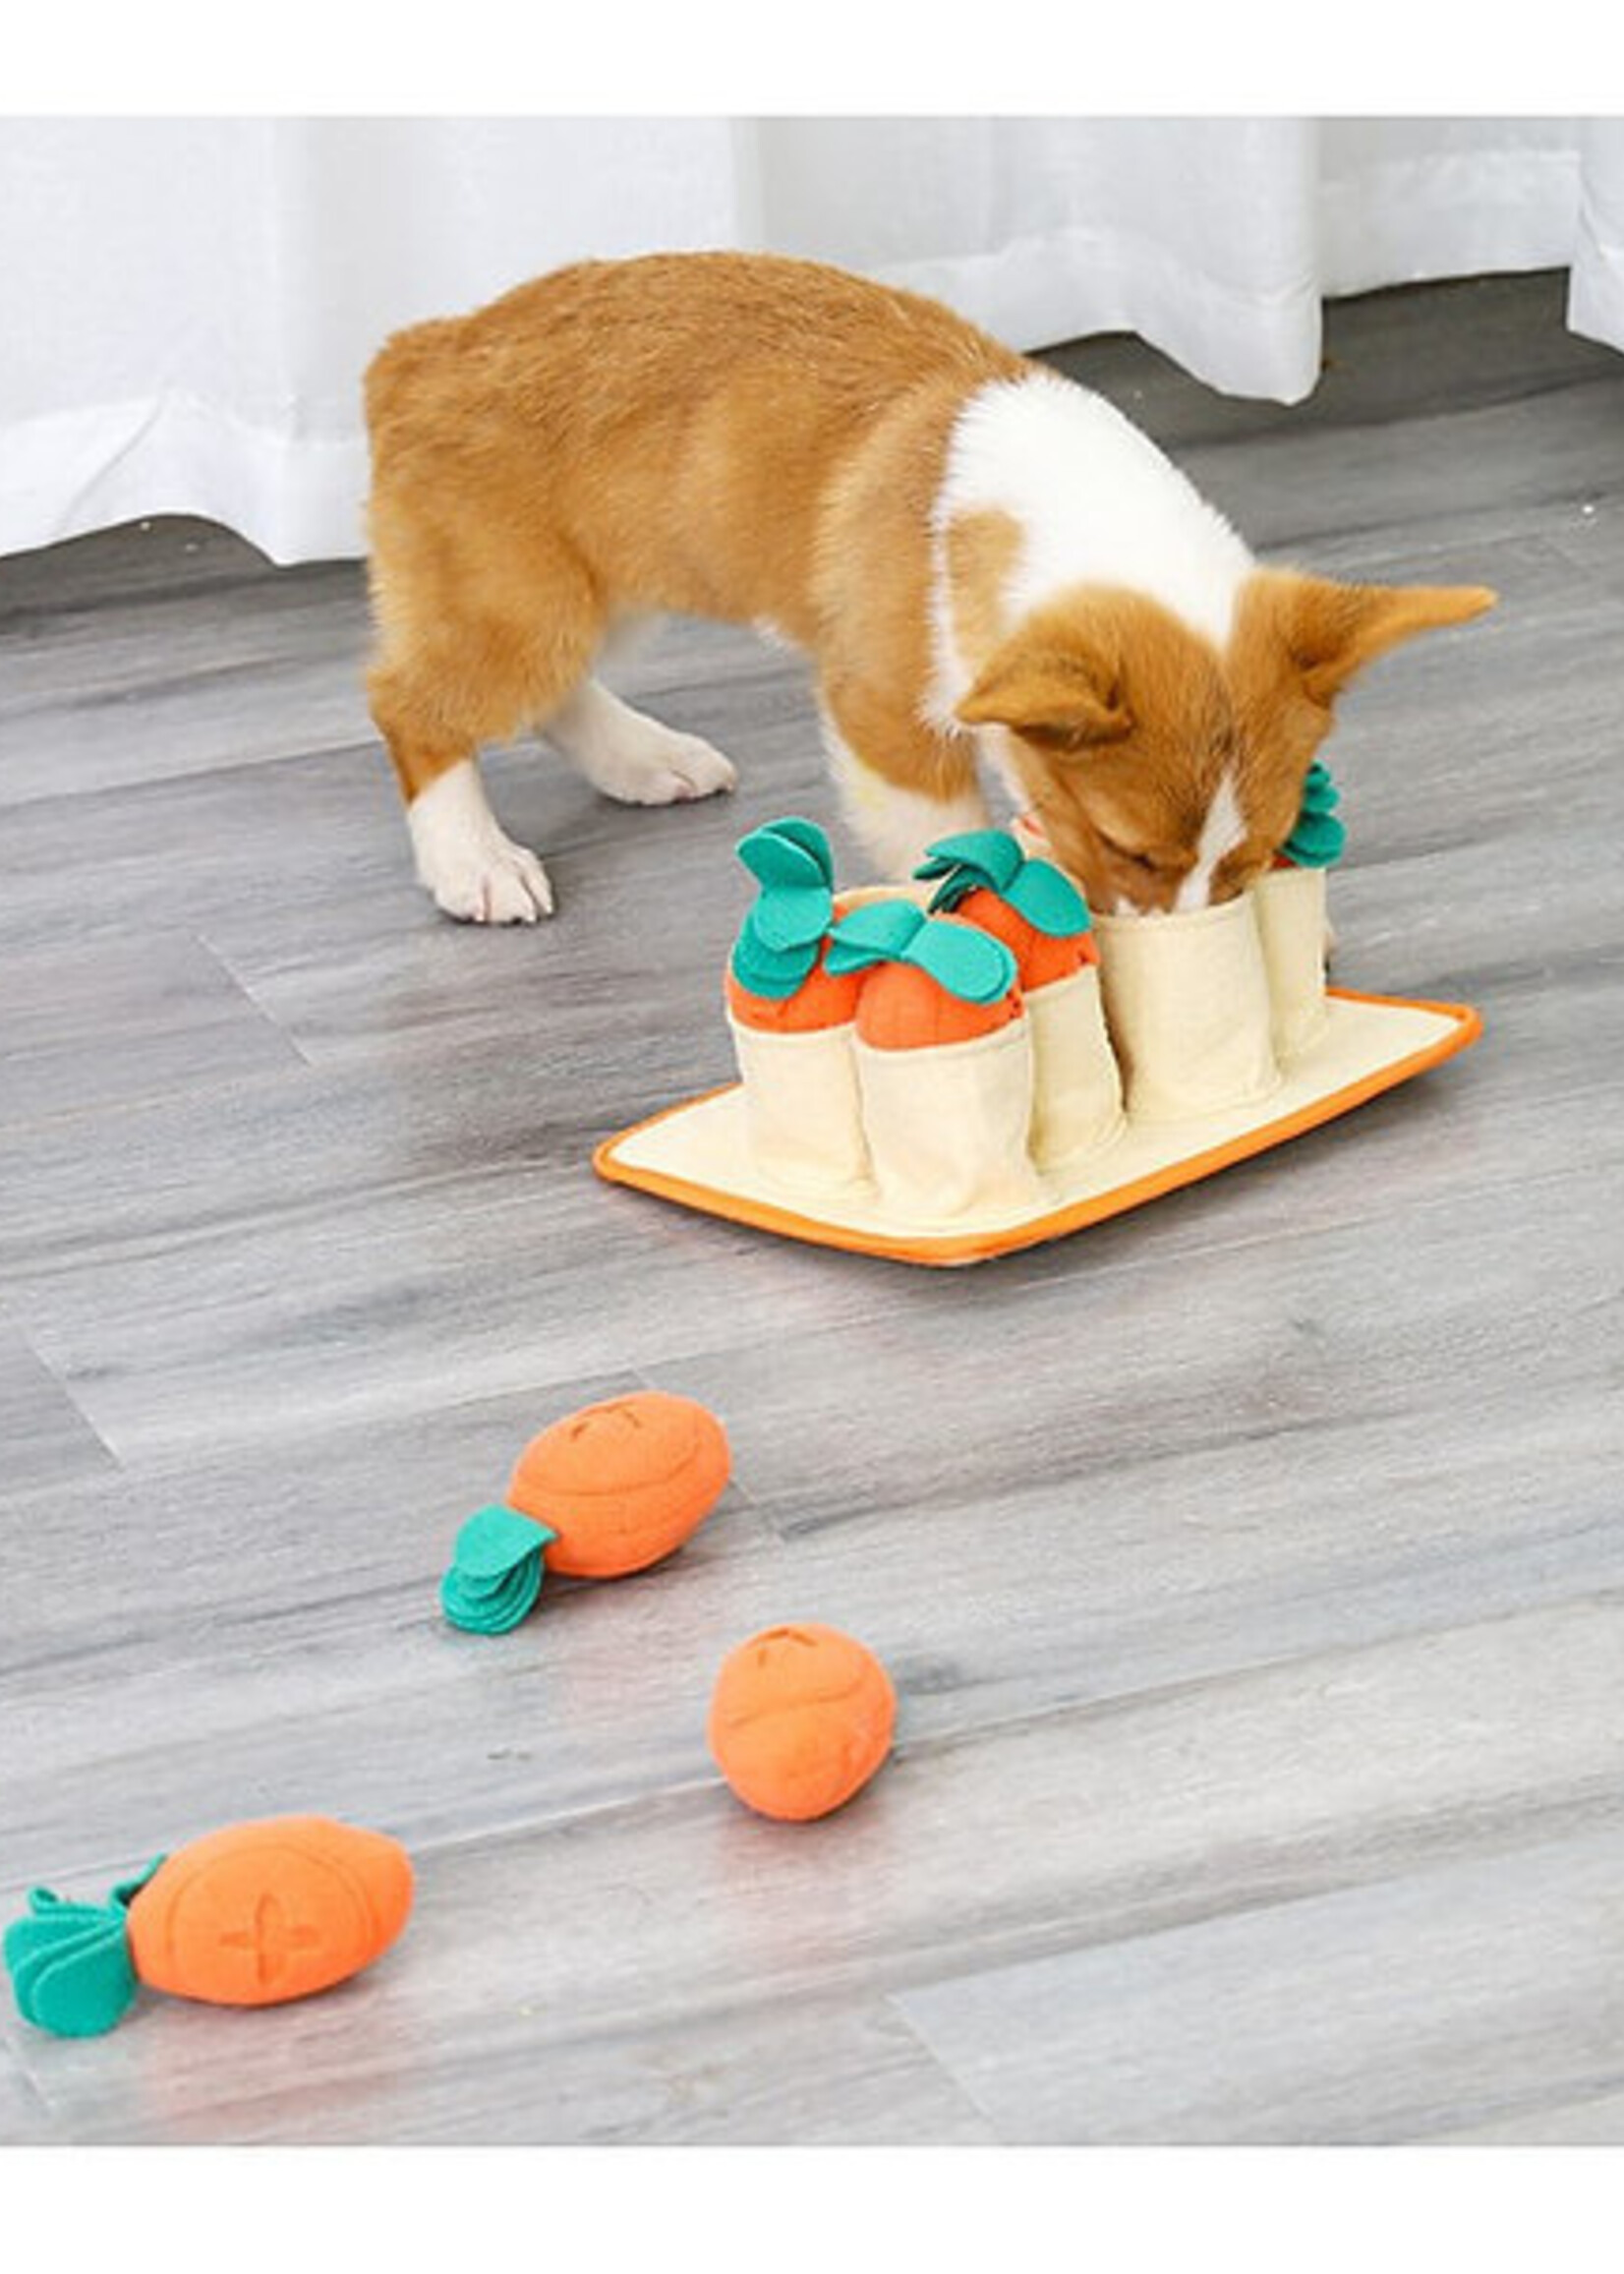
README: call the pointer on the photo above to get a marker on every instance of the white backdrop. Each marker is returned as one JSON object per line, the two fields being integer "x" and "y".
{"x": 190, "y": 303}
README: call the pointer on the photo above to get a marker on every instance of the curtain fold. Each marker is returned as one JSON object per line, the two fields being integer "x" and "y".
{"x": 1200, "y": 234}
{"x": 192, "y": 302}
{"x": 1595, "y": 296}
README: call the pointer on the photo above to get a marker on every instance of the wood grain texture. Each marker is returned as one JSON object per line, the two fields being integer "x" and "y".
{"x": 90, "y": 1027}
{"x": 48, "y": 1442}
{"x": 1250, "y": 1569}
{"x": 1356, "y": 2016}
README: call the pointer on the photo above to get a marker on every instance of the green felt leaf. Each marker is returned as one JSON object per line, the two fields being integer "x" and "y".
{"x": 127, "y": 1890}
{"x": 791, "y": 915}
{"x": 497, "y": 1570}
{"x": 992, "y": 853}
{"x": 70, "y": 1966}
{"x": 495, "y": 1538}
{"x": 1320, "y": 793}
{"x": 1317, "y": 841}
{"x": 779, "y": 941}
{"x": 777, "y": 860}
{"x": 772, "y": 973}
{"x": 494, "y": 1608}
{"x": 810, "y": 838}
{"x": 1050, "y": 901}
{"x": 877, "y": 932}
{"x": 967, "y": 962}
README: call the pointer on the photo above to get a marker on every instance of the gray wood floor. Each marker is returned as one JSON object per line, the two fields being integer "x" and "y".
{"x": 1252, "y": 1569}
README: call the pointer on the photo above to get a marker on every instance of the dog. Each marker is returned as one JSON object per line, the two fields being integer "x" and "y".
{"x": 982, "y": 560}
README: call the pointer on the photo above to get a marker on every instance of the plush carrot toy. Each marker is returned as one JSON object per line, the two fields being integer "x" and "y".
{"x": 1029, "y": 904}
{"x": 776, "y": 965}
{"x": 932, "y": 979}
{"x": 820, "y": 999}
{"x": 252, "y": 1915}
{"x": 943, "y": 1062}
{"x": 606, "y": 1491}
{"x": 801, "y": 1717}
{"x": 987, "y": 878}
{"x": 790, "y": 1015}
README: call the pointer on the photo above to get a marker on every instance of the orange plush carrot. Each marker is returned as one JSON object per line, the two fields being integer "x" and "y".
{"x": 621, "y": 1483}
{"x": 987, "y": 877}
{"x": 931, "y": 979}
{"x": 904, "y": 1009}
{"x": 1039, "y": 955}
{"x": 821, "y": 1000}
{"x": 800, "y": 1718}
{"x": 252, "y": 1915}
{"x": 266, "y": 1911}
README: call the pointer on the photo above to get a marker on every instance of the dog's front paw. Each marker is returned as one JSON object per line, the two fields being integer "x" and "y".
{"x": 505, "y": 885}
{"x": 475, "y": 871}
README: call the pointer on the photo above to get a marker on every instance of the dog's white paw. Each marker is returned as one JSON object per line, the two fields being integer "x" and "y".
{"x": 507, "y": 885}
{"x": 634, "y": 759}
{"x": 474, "y": 870}
{"x": 671, "y": 772}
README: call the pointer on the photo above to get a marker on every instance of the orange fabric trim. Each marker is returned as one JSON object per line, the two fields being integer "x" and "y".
{"x": 981, "y": 1247}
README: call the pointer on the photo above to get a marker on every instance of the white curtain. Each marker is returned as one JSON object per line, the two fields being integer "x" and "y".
{"x": 191, "y": 303}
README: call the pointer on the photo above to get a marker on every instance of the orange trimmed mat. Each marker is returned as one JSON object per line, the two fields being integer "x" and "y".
{"x": 695, "y": 1153}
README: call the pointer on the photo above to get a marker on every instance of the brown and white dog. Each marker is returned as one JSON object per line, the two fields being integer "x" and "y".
{"x": 981, "y": 559}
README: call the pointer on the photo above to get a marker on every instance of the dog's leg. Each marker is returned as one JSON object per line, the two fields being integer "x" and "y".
{"x": 902, "y": 786}
{"x": 632, "y": 758}
{"x": 466, "y": 858}
{"x": 450, "y": 677}
{"x": 462, "y": 854}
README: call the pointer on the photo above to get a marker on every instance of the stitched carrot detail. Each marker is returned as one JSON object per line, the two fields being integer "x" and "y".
{"x": 988, "y": 879}
{"x": 800, "y": 1718}
{"x": 252, "y": 1915}
{"x": 932, "y": 979}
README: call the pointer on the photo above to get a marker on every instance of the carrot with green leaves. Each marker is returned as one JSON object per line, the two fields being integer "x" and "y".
{"x": 984, "y": 876}
{"x": 252, "y": 1915}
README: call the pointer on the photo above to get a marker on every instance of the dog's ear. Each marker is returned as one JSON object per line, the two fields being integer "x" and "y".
{"x": 1064, "y": 697}
{"x": 1325, "y": 632}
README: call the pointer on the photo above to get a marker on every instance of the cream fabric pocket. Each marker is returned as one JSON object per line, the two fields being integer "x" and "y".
{"x": 1076, "y": 1092}
{"x": 947, "y": 1125}
{"x": 1291, "y": 923}
{"x": 803, "y": 1114}
{"x": 1187, "y": 1005}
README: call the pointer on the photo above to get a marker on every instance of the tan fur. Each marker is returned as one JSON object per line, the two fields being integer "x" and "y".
{"x": 722, "y": 435}
{"x": 981, "y": 551}
{"x": 763, "y": 440}
{"x": 1120, "y": 730}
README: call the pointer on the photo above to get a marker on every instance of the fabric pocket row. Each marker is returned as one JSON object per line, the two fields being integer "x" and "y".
{"x": 950, "y": 1058}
